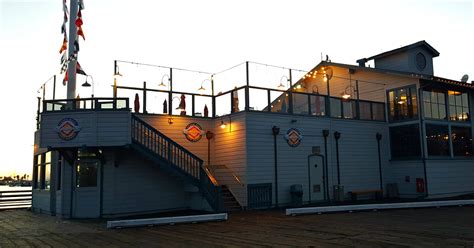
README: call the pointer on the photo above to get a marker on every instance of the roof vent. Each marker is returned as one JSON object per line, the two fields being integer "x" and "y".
{"x": 465, "y": 78}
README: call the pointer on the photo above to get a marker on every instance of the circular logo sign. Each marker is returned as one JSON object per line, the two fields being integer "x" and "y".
{"x": 68, "y": 129}
{"x": 293, "y": 137}
{"x": 193, "y": 132}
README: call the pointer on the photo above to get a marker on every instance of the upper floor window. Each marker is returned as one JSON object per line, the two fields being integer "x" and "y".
{"x": 458, "y": 106}
{"x": 402, "y": 104}
{"x": 405, "y": 141}
{"x": 434, "y": 104}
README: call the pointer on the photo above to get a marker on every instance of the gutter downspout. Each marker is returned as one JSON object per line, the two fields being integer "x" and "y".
{"x": 423, "y": 138}
{"x": 275, "y": 132}
{"x": 337, "y": 136}
{"x": 326, "y": 173}
{"x": 378, "y": 136}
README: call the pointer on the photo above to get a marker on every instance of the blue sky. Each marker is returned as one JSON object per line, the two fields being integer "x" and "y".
{"x": 210, "y": 36}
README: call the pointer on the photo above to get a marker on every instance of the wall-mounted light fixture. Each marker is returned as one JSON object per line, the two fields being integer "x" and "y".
{"x": 282, "y": 86}
{"x": 162, "y": 83}
{"x": 170, "y": 120}
{"x": 180, "y": 107}
{"x": 223, "y": 125}
{"x": 87, "y": 84}
{"x": 315, "y": 89}
{"x": 202, "y": 89}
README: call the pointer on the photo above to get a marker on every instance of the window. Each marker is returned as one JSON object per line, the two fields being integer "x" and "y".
{"x": 37, "y": 172}
{"x": 318, "y": 105}
{"x": 335, "y": 107}
{"x": 437, "y": 140}
{"x": 300, "y": 104}
{"x": 462, "y": 141}
{"x": 378, "y": 113}
{"x": 434, "y": 104}
{"x": 47, "y": 171}
{"x": 365, "y": 112}
{"x": 349, "y": 109}
{"x": 86, "y": 174}
{"x": 458, "y": 106}
{"x": 402, "y": 104}
{"x": 405, "y": 141}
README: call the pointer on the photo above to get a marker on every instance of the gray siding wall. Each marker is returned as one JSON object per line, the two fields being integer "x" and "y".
{"x": 406, "y": 61}
{"x": 372, "y": 85}
{"x": 357, "y": 149}
{"x": 101, "y": 128}
{"x": 450, "y": 177}
{"x": 137, "y": 185}
{"x": 41, "y": 201}
{"x": 403, "y": 170}
{"x": 230, "y": 154}
{"x": 227, "y": 147}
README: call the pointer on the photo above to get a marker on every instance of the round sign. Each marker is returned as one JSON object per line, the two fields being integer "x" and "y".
{"x": 293, "y": 137}
{"x": 193, "y": 132}
{"x": 68, "y": 129}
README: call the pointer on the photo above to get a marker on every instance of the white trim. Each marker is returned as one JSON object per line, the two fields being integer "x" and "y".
{"x": 318, "y": 210}
{"x": 166, "y": 220}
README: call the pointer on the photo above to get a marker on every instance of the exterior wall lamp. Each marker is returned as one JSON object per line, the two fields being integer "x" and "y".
{"x": 170, "y": 120}
{"x": 282, "y": 86}
{"x": 202, "y": 89}
{"x": 87, "y": 84}
{"x": 162, "y": 84}
{"x": 223, "y": 125}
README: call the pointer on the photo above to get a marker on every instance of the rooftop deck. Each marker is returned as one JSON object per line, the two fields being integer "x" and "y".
{"x": 423, "y": 227}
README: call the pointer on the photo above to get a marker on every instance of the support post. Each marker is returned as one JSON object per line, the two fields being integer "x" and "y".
{"x": 71, "y": 84}
{"x": 378, "y": 136}
{"x": 144, "y": 97}
{"x": 54, "y": 87}
{"x": 247, "y": 97}
{"x": 170, "y": 94}
{"x": 275, "y": 132}
{"x": 337, "y": 136}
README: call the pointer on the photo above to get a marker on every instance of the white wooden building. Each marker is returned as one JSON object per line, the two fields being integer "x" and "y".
{"x": 337, "y": 130}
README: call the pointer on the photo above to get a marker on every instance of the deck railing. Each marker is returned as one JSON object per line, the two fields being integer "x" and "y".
{"x": 176, "y": 157}
{"x": 15, "y": 199}
{"x": 78, "y": 104}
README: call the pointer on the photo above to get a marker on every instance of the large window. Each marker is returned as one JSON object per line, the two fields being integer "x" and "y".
{"x": 434, "y": 104}
{"x": 42, "y": 171}
{"x": 437, "y": 140}
{"x": 86, "y": 174}
{"x": 458, "y": 106}
{"x": 402, "y": 104}
{"x": 405, "y": 141}
{"x": 462, "y": 141}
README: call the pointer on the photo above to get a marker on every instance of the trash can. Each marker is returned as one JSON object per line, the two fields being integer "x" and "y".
{"x": 296, "y": 191}
{"x": 338, "y": 191}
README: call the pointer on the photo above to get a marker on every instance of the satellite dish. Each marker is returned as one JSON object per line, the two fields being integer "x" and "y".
{"x": 465, "y": 78}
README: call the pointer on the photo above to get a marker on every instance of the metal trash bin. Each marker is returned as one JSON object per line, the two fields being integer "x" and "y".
{"x": 296, "y": 191}
{"x": 338, "y": 191}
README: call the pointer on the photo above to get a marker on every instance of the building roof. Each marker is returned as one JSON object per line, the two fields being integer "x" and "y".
{"x": 397, "y": 73}
{"x": 401, "y": 49}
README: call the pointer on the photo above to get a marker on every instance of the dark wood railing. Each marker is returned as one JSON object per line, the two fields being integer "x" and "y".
{"x": 15, "y": 199}
{"x": 176, "y": 157}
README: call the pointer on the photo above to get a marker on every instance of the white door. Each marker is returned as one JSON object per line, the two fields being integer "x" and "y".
{"x": 86, "y": 196}
{"x": 316, "y": 165}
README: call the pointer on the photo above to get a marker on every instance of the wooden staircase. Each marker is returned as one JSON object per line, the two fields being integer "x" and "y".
{"x": 230, "y": 204}
{"x": 174, "y": 158}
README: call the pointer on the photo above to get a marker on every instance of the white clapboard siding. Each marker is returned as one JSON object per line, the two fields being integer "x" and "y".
{"x": 102, "y": 128}
{"x": 450, "y": 177}
{"x": 368, "y": 90}
{"x": 136, "y": 185}
{"x": 357, "y": 149}
{"x": 404, "y": 173}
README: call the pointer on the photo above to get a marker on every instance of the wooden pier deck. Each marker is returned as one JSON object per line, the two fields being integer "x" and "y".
{"x": 435, "y": 227}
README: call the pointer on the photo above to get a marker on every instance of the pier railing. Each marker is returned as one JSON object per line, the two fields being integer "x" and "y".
{"x": 15, "y": 199}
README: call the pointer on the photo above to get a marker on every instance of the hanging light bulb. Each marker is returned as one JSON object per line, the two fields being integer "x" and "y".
{"x": 223, "y": 125}
{"x": 325, "y": 78}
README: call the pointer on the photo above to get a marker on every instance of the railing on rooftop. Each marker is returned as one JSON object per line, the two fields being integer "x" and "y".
{"x": 229, "y": 91}
{"x": 79, "y": 104}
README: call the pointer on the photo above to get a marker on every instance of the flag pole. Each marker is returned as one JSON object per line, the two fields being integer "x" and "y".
{"x": 71, "y": 84}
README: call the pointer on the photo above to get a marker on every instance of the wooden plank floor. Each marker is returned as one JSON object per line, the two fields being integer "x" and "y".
{"x": 435, "y": 227}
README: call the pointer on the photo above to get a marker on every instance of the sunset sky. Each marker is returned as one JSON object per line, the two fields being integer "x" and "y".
{"x": 209, "y": 36}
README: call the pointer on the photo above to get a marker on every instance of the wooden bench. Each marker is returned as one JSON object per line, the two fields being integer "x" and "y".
{"x": 377, "y": 193}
